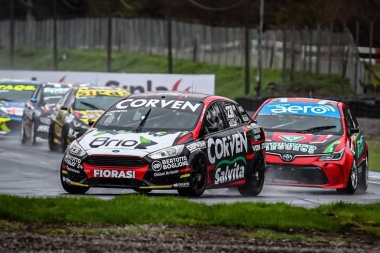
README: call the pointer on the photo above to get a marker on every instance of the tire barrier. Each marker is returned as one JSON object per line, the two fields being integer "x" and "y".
{"x": 368, "y": 107}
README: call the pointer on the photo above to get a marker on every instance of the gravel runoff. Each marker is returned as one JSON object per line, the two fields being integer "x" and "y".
{"x": 163, "y": 238}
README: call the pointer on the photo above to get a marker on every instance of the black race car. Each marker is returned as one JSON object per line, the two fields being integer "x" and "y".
{"x": 168, "y": 140}
{"x": 38, "y": 111}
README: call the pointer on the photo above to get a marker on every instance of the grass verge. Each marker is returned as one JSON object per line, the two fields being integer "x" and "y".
{"x": 126, "y": 210}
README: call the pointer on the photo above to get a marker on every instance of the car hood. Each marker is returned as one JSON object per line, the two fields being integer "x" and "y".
{"x": 300, "y": 143}
{"x": 127, "y": 142}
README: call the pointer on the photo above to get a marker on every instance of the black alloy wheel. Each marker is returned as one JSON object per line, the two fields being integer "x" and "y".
{"x": 198, "y": 178}
{"x": 255, "y": 177}
{"x": 52, "y": 145}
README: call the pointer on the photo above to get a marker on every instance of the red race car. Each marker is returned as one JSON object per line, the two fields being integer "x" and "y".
{"x": 313, "y": 142}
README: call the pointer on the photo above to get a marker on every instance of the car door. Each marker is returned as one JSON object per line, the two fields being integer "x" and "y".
{"x": 357, "y": 141}
{"x": 62, "y": 111}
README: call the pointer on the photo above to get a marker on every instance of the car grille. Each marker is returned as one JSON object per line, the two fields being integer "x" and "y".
{"x": 295, "y": 174}
{"x": 125, "y": 161}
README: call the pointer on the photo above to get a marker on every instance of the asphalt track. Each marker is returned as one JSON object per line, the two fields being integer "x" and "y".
{"x": 33, "y": 171}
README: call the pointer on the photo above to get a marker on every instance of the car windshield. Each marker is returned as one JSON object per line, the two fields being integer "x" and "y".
{"x": 53, "y": 94}
{"x": 158, "y": 119}
{"x": 95, "y": 102}
{"x": 16, "y": 92}
{"x": 312, "y": 118}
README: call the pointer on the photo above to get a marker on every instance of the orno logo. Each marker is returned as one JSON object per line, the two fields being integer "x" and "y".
{"x": 156, "y": 166}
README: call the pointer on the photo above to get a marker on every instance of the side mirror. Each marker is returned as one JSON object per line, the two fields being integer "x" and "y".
{"x": 91, "y": 122}
{"x": 33, "y": 100}
{"x": 354, "y": 130}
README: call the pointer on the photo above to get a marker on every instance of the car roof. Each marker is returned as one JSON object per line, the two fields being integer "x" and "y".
{"x": 172, "y": 95}
{"x": 21, "y": 82}
{"x": 304, "y": 100}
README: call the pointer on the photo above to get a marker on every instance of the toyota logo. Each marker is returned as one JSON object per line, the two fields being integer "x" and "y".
{"x": 287, "y": 157}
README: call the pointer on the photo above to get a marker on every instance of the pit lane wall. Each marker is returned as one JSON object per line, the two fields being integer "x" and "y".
{"x": 135, "y": 83}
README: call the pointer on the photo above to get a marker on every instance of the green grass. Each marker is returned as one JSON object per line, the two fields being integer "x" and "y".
{"x": 166, "y": 210}
{"x": 374, "y": 151}
{"x": 126, "y": 210}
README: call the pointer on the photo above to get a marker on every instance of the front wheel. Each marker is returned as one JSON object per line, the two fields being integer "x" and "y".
{"x": 33, "y": 132}
{"x": 198, "y": 178}
{"x": 22, "y": 134}
{"x": 72, "y": 189}
{"x": 254, "y": 177}
{"x": 64, "y": 139}
{"x": 352, "y": 183}
{"x": 52, "y": 145}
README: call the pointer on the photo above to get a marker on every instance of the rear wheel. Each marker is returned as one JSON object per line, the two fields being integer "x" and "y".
{"x": 254, "y": 177}
{"x": 198, "y": 178}
{"x": 72, "y": 189}
{"x": 363, "y": 183}
{"x": 64, "y": 137}
{"x": 352, "y": 183}
{"x": 52, "y": 145}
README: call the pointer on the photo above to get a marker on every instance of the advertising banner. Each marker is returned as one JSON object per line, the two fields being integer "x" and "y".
{"x": 135, "y": 83}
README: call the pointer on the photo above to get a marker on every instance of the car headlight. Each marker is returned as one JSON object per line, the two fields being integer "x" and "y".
{"x": 76, "y": 149}
{"x": 167, "y": 152}
{"x": 332, "y": 157}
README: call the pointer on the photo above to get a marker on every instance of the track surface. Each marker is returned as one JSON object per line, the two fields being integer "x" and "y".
{"x": 34, "y": 171}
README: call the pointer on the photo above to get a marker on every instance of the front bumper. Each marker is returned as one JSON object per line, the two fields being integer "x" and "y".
{"x": 307, "y": 171}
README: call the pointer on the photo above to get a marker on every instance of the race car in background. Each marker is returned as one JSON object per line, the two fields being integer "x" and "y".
{"x": 13, "y": 96}
{"x": 77, "y": 109}
{"x": 4, "y": 118}
{"x": 168, "y": 140}
{"x": 38, "y": 111}
{"x": 313, "y": 142}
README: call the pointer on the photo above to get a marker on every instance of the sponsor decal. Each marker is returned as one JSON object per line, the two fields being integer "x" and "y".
{"x": 165, "y": 173}
{"x": 305, "y": 148}
{"x": 162, "y": 103}
{"x": 73, "y": 170}
{"x": 55, "y": 90}
{"x": 331, "y": 148}
{"x": 43, "y": 128}
{"x": 115, "y": 173}
{"x": 73, "y": 161}
{"x": 17, "y": 87}
{"x": 181, "y": 185}
{"x": 300, "y": 108}
{"x": 145, "y": 142}
{"x": 226, "y": 173}
{"x": 196, "y": 146}
{"x": 108, "y": 142}
{"x": 101, "y": 92}
{"x": 14, "y": 111}
{"x": 292, "y": 138}
{"x": 170, "y": 163}
{"x": 226, "y": 146}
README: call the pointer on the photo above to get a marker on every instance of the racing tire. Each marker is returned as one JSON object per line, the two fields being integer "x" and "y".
{"x": 33, "y": 134}
{"x": 65, "y": 135}
{"x": 52, "y": 145}
{"x": 198, "y": 178}
{"x": 363, "y": 183}
{"x": 255, "y": 177}
{"x": 352, "y": 182}
{"x": 72, "y": 189}
{"x": 142, "y": 191}
{"x": 23, "y": 138}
